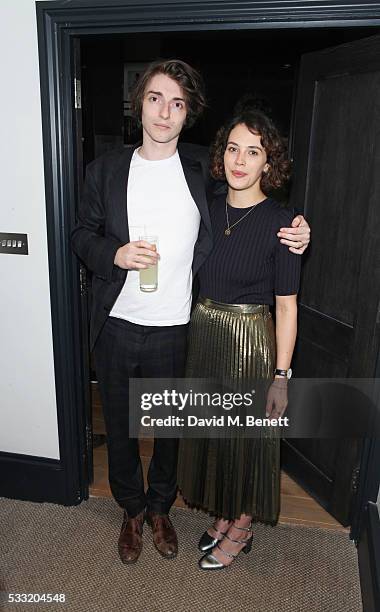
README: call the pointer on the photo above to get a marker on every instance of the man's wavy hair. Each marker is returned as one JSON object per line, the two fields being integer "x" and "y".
{"x": 187, "y": 78}
{"x": 275, "y": 147}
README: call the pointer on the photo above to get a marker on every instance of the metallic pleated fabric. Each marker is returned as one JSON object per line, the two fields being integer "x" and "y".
{"x": 231, "y": 476}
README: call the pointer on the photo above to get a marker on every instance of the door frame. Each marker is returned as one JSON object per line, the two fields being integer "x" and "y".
{"x": 58, "y": 23}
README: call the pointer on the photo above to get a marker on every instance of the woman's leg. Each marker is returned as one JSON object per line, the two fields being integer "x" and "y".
{"x": 219, "y": 527}
{"x": 235, "y": 540}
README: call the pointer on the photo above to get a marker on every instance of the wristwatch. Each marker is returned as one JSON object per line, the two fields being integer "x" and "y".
{"x": 284, "y": 373}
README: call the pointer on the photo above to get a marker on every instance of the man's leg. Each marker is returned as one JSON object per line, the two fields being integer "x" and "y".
{"x": 163, "y": 356}
{"x": 116, "y": 359}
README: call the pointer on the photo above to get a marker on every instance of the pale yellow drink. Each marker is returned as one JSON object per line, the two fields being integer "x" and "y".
{"x": 148, "y": 279}
{"x": 149, "y": 276}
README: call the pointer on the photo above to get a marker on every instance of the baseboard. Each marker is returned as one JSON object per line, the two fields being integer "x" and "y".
{"x": 36, "y": 479}
{"x": 369, "y": 559}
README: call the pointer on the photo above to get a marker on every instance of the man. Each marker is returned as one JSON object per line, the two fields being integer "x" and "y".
{"x": 159, "y": 189}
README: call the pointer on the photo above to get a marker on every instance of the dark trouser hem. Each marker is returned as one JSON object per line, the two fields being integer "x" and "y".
{"x": 132, "y": 509}
{"x": 159, "y": 508}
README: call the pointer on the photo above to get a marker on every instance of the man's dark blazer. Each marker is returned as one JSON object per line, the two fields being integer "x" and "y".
{"x": 102, "y": 225}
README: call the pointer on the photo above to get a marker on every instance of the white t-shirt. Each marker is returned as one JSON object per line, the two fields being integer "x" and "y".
{"x": 160, "y": 203}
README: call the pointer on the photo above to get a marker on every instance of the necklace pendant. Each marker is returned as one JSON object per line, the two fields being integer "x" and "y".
{"x": 227, "y": 231}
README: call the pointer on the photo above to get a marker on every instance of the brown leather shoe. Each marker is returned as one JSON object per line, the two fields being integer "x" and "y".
{"x": 130, "y": 539}
{"x": 164, "y": 535}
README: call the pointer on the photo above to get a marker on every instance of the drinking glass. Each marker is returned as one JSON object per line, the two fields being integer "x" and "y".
{"x": 149, "y": 276}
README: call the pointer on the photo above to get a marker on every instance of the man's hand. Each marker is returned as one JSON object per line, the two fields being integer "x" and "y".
{"x": 136, "y": 255}
{"x": 297, "y": 237}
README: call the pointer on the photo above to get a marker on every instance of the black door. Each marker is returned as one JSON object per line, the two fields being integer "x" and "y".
{"x": 87, "y": 442}
{"x": 336, "y": 155}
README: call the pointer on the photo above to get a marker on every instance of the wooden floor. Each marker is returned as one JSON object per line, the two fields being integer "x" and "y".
{"x": 296, "y": 505}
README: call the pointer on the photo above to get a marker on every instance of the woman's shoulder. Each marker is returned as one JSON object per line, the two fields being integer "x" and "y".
{"x": 280, "y": 211}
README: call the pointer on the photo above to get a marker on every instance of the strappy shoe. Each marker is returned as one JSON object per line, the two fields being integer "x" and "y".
{"x": 207, "y": 542}
{"x": 209, "y": 562}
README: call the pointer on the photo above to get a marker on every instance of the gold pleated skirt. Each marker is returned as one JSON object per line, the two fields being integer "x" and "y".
{"x": 231, "y": 476}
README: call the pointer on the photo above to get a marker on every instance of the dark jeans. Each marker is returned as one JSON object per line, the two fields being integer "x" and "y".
{"x": 125, "y": 350}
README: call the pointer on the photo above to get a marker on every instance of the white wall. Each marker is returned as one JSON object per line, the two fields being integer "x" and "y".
{"x": 28, "y": 416}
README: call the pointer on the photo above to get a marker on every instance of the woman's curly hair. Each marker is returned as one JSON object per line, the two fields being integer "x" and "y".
{"x": 275, "y": 147}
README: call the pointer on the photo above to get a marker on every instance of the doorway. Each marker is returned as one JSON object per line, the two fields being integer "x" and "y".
{"x": 266, "y": 70}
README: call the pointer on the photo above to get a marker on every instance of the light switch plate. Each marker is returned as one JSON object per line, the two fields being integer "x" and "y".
{"x": 15, "y": 244}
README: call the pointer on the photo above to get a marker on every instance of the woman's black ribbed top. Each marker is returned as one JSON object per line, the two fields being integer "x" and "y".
{"x": 250, "y": 266}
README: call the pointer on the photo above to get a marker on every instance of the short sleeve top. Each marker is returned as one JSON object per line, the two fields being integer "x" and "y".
{"x": 250, "y": 266}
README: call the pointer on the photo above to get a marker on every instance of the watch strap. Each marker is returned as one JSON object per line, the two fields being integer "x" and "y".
{"x": 278, "y": 372}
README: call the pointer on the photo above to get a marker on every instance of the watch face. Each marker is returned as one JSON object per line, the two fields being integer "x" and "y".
{"x": 289, "y": 373}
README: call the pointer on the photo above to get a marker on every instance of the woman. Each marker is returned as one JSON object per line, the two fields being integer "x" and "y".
{"x": 232, "y": 334}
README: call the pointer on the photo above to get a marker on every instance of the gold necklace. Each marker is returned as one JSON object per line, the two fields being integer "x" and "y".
{"x": 229, "y": 227}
